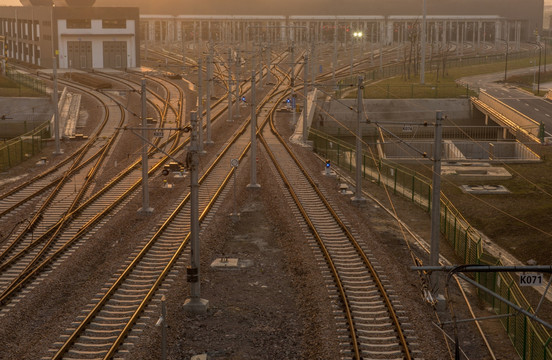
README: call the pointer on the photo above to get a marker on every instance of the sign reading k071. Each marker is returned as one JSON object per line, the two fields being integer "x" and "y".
{"x": 530, "y": 279}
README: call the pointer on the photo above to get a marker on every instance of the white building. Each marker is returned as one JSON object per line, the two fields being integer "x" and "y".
{"x": 81, "y": 37}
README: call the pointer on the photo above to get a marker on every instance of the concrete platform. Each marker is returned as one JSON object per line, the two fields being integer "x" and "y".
{"x": 485, "y": 189}
{"x": 231, "y": 263}
{"x": 475, "y": 171}
{"x": 225, "y": 263}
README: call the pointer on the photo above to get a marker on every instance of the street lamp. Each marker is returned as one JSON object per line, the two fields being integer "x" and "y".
{"x": 506, "y": 65}
{"x": 540, "y": 55}
{"x": 356, "y": 35}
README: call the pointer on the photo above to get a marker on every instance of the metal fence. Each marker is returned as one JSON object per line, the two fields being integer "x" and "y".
{"x": 16, "y": 150}
{"x": 531, "y": 340}
{"x": 399, "y": 68}
{"x": 28, "y": 85}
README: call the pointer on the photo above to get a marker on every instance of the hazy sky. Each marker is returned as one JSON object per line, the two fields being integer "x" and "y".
{"x": 16, "y": 2}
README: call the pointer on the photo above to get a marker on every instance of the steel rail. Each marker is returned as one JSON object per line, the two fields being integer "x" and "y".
{"x": 167, "y": 268}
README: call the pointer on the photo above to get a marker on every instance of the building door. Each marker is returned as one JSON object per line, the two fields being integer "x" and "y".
{"x": 115, "y": 54}
{"x": 79, "y": 54}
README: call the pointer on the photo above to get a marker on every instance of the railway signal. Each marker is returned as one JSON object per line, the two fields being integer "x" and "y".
{"x": 328, "y": 166}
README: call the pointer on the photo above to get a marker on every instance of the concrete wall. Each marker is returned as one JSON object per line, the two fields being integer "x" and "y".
{"x": 23, "y": 115}
{"x": 402, "y": 111}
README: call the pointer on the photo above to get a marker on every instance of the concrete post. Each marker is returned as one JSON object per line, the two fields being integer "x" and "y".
{"x": 194, "y": 304}
{"x": 230, "y": 85}
{"x": 358, "y": 199}
{"x": 293, "y": 98}
{"x": 372, "y": 45}
{"x": 305, "y": 100}
{"x": 253, "y": 182}
{"x": 208, "y": 140}
{"x": 56, "y": 109}
{"x": 200, "y": 104}
{"x": 237, "y": 85}
{"x": 436, "y": 203}
{"x": 381, "y": 39}
{"x": 423, "y": 45}
{"x": 145, "y": 191}
{"x": 334, "y": 61}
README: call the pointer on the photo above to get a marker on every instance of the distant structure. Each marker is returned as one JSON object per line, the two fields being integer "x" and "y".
{"x": 81, "y": 36}
{"x": 472, "y": 20}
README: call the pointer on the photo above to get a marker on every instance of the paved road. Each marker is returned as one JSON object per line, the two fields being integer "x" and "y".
{"x": 537, "y": 108}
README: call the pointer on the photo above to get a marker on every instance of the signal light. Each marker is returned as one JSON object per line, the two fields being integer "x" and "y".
{"x": 328, "y": 164}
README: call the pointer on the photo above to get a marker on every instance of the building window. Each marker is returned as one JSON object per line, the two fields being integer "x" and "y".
{"x": 79, "y": 24}
{"x": 36, "y": 31}
{"x": 114, "y": 24}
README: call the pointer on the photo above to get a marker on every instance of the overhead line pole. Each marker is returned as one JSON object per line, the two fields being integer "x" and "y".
{"x": 194, "y": 304}
{"x": 423, "y": 44}
{"x": 305, "y": 100}
{"x": 200, "y": 104}
{"x": 253, "y": 183}
{"x": 145, "y": 191}
{"x": 358, "y": 198}
{"x": 208, "y": 140}
{"x": 56, "y": 108}
{"x": 230, "y": 85}
{"x": 436, "y": 202}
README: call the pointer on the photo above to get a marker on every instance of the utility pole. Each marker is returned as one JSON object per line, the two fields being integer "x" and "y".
{"x": 506, "y": 62}
{"x": 230, "y": 85}
{"x": 200, "y": 104}
{"x": 253, "y": 184}
{"x": 313, "y": 63}
{"x": 305, "y": 100}
{"x": 261, "y": 66}
{"x": 183, "y": 52}
{"x": 208, "y": 141}
{"x": 56, "y": 108}
{"x": 423, "y": 44}
{"x": 194, "y": 304}
{"x": 436, "y": 203}
{"x": 269, "y": 62}
{"x": 358, "y": 198}
{"x": 372, "y": 45}
{"x": 334, "y": 61}
{"x": 145, "y": 191}
{"x": 381, "y": 52}
{"x": 293, "y": 98}
{"x": 238, "y": 74}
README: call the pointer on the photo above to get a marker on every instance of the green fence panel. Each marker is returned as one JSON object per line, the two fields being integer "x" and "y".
{"x": 531, "y": 341}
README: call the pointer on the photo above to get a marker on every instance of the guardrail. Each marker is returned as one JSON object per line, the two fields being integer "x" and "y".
{"x": 523, "y": 121}
{"x": 531, "y": 340}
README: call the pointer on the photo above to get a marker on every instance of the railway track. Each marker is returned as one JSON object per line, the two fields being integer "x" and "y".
{"x": 26, "y": 260}
{"x": 366, "y": 315}
{"x": 27, "y": 256}
{"x": 352, "y": 277}
{"x": 106, "y": 330}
